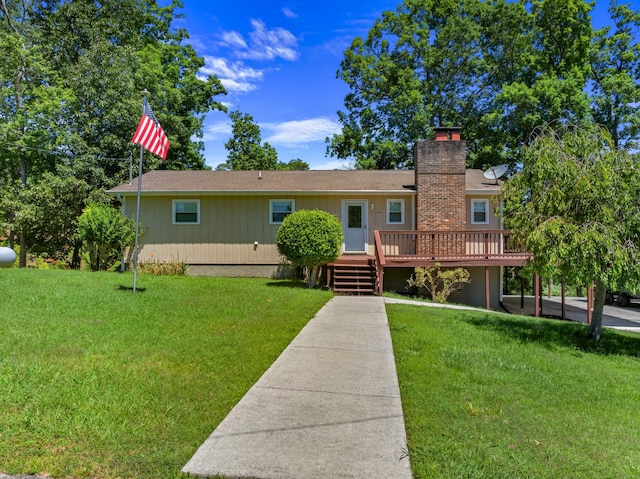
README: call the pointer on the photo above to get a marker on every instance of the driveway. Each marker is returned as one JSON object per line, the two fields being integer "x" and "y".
{"x": 616, "y": 317}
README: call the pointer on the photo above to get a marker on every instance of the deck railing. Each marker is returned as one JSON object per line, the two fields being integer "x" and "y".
{"x": 478, "y": 245}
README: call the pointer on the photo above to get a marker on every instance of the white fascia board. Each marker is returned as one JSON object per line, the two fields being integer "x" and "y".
{"x": 482, "y": 192}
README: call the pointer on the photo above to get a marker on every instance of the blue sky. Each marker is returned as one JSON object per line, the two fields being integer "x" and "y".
{"x": 278, "y": 61}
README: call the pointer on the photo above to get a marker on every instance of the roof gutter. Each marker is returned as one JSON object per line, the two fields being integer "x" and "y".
{"x": 265, "y": 192}
{"x": 472, "y": 191}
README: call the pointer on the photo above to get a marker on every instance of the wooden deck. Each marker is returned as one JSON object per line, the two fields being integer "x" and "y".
{"x": 448, "y": 248}
{"x": 364, "y": 274}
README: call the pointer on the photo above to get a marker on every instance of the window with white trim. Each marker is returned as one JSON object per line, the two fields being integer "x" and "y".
{"x": 479, "y": 212}
{"x": 395, "y": 212}
{"x": 280, "y": 209}
{"x": 186, "y": 212}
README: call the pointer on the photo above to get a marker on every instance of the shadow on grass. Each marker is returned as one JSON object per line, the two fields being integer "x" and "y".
{"x": 130, "y": 288}
{"x": 292, "y": 283}
{"x": 553, "y": 334}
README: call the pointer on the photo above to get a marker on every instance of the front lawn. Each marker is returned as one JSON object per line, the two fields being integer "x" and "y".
{"x": 96, "y": 381}
{"x": 99, "y": 382}
{"x": 496, "y": 396}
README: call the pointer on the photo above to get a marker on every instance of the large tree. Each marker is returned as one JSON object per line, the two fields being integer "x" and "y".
{"x": 576, "y": 206}
{"x": 245, "y": 147}
{"x": 107, "y": 52}
{"x": 70, "y": 83}
{"x": 296, "y": 164}
{"x": 496, "y": 68}
{"x": 45, "y": 214}
{"x": 615, "y": 67}
{"x": 30, "y": 102}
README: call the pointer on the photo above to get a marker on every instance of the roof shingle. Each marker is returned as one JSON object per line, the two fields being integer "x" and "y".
{"x": 304, "y": 182}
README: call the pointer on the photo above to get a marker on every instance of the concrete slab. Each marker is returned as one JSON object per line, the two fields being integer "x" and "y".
{"x": 305, "y": 434}
{"x": 353, "y": 337}
{"x": 362, "y": 373}
{"x": 329, "y": 406}
{"x": 615, "y": 317}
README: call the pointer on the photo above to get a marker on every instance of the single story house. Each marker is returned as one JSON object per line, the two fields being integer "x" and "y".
{"x": 225, "y": 222}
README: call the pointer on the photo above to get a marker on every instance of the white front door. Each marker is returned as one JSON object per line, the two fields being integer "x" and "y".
{"x": 354, "y": 225}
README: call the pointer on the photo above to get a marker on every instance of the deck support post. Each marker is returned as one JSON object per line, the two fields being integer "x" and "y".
{"x": 589, "y": 303}
{"x": 536, "y": 295}
{"x": 487, "y": 296}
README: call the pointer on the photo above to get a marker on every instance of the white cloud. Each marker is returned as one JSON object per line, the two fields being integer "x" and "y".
{"x": 233, "y": 39}
{"x": 301, "y": 131}
{"x": 234, "y": 76}
{"x": 270, "y": 44}
{"x": 289, "y": 13}
{"x": 216, "y": 131}
{"x": 234, "y": 86}
{"x": 336, "y": 46}
{"x": 197, "y": 42}
{"x": 263, "y": 44}
{"x": 334, "y": 165}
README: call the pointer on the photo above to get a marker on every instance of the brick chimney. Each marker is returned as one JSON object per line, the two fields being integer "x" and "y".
{"x": 440, "y": 166}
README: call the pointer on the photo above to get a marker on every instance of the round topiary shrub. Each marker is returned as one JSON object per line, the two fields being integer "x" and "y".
{"x": 311, "y": 239}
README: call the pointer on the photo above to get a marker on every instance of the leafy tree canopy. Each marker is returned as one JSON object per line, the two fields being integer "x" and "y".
{"x": 615, "y": 73}
{"x": 295, "y": 164}
{"x": 245, "y": 147}
{"x": 106, "y": 53}
{"x": 70, "y": 83}
{"x": 498, "y": 69}
{"x": 575, "y": 204}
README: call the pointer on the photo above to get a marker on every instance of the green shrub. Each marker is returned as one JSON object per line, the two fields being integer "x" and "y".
{"x": 310, "y": 238}
{"x": 105, "y": 234}
{"x": 437, "y": 282}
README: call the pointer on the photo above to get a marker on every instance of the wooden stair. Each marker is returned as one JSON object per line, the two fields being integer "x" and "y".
{"x": 353, "y": 275}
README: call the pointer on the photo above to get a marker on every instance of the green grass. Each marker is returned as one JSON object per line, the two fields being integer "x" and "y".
{"x": 99, "y": 382}
{"x": 496, "y": 396}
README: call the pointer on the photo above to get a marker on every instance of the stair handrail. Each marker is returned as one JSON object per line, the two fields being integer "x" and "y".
{"x": 380, "y": 261}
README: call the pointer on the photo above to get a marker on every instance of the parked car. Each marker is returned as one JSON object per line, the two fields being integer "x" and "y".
{"x": 621, "y": 298}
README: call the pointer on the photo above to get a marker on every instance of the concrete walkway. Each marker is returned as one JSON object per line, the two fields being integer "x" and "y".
{"x": 329, "y": 406}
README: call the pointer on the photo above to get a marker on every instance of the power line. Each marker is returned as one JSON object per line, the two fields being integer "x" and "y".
{"x": 58, "y": 152}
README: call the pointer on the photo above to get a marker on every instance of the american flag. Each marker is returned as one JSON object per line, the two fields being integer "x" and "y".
{"x": 150, "y": 135}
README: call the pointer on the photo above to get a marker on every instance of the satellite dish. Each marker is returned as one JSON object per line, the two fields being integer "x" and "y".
{"x": 495, "y": 172}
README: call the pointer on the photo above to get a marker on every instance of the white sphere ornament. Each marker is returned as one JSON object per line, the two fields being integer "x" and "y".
{"x": 7, "y": 257}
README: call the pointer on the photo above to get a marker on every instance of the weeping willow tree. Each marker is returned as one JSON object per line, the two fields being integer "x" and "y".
{"x": 576, "y": 205}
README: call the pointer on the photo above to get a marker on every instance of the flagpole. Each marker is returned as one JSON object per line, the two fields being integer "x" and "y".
{"x": 144, "y": 94}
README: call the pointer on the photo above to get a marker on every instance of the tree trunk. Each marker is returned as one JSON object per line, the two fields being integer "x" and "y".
{"x": 595, "y": 328}
{"x": 22, "y": 262}
{"x": 75, "y": 258}
{"x": 312, "y": 275}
